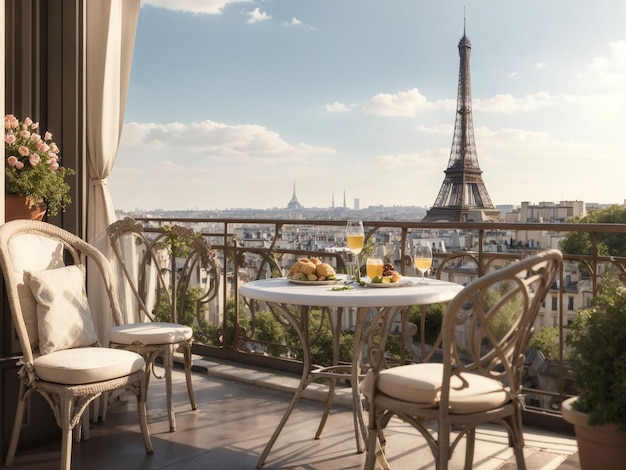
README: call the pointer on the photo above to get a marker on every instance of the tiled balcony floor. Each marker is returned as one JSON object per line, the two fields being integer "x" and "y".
{"x": 235, "y": 419}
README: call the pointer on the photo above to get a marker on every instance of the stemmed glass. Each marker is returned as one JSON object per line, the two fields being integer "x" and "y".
{"x": 356, "y": 237}
{"x": 423, "y": 259}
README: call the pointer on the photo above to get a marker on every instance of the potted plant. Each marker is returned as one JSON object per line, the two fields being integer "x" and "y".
{"x": 32, "y": 167}
{"x": 598, "y": 356}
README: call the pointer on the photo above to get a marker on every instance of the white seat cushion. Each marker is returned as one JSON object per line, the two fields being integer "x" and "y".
{"x": 87, "y": 365}
{"x": 421, "y": 383}
{"x": 150, "y": 333}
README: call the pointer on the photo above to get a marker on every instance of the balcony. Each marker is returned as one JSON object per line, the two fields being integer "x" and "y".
{"x": 235, "y": 419}
{"x": 238, "y": 408}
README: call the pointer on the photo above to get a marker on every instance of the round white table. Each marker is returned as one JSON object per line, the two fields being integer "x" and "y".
{"x": 280, "y": 294}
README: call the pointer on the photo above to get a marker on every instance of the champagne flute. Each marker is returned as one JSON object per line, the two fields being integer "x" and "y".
{"x": 356, "y": 237}
{"x": 423, "y": 259}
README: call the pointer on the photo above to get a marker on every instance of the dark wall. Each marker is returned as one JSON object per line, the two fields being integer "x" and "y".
{"x": 44, "y": 81}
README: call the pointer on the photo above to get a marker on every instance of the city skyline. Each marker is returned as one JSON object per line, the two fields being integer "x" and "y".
{"x": 242, "y": 99}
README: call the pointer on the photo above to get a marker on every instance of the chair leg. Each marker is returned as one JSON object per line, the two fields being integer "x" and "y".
{"x": 168, "y": 364}
{"x": 17, "y": 427}
{"x": 66, "y": 448}
{"x": 443, "y": 445}
{"x": 187, "y": 359}
{"x": 372, "y": 448}
{"x": 470, "y": 440}
{"x": 516, "y": 439}
{"x": 143, "y": 422}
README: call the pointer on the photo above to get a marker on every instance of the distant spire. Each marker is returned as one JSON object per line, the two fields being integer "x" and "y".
{"x": 344, "y": 199}
{"x": 294, "y": 203}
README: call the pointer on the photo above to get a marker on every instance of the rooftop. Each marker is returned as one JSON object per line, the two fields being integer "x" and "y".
{"x": 238, "y": 409}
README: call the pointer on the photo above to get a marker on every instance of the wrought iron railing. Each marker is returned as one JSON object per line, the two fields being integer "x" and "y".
{"x": 259, "y": 248}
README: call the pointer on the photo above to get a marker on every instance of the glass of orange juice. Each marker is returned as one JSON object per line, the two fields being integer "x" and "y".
{"x": 374, "y": 267}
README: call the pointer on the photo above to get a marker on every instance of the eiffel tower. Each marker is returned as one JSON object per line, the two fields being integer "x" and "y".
{"x": 463, "y": 196}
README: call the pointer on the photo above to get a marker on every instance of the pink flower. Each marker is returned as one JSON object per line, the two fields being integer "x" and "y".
{"x": 12, "y": 160}
{"x": 10, "y": 121}
{"x": 19, "y": 165}
{"x": 35, "y": 137}
{"x": 23, "y": 150}
{"x": 54, "y": 165}
{"x": 34, "y": 159}
{"x": 54, "y": 147}
{"x": 47, "y": 136}
{"x": 24, "y": 133}
{"x": 28, "y": 121}
{"x": 9, "y": 139}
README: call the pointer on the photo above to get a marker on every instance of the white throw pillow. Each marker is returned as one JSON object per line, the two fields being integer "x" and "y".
{"x": 63, "y": 316}
{"x": 31, "y": 252}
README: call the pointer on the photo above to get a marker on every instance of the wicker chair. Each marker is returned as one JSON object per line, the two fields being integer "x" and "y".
{"x": 61, "y": 355}
{"x": 159, "y": 288}
{"x": 480, "y": 378}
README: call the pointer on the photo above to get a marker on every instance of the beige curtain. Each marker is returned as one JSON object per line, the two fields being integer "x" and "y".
{"x": 110, "y": 37}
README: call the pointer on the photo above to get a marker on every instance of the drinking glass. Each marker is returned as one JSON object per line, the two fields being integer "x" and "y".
{"x": 374, "y": 267}
{"x": 389, "y": 249}
{"x": 423, "y": 259}
{"x": 356, "y": 237}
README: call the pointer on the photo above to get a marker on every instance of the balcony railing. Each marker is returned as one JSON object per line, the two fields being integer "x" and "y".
{"x": 250, "y": 249}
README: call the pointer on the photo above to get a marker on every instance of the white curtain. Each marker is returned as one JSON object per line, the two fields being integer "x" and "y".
{"x": 110, "y": 37}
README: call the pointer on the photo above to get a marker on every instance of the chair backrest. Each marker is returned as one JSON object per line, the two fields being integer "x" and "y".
{"x": 29, "y": 249}
{"x": 163, "y": 267}
{"x": 487, "y": 326}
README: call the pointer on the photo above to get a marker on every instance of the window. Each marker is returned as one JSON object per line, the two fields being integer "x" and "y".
{"x": 570, "y": 303}
{"x": 555, "y": 303}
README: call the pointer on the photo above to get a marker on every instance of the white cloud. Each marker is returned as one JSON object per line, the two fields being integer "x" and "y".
{"x": 506, "y": 103}
{"x": 428, "y": 160}
{"x": 410, "y": 103}
{"x": 214, "y": 141}
{"x": 294, "y": 21}
{"x": 610, "y": 71}
{"x": 440, "y": 129}
{"x": 207, "y": 7}
{"x": 336, "y": 107}
{"x": 404, "y": 104}
{"x": 210, "y": 164}
{"x": 541, "y": 65}
{"x": 256, "y": 16}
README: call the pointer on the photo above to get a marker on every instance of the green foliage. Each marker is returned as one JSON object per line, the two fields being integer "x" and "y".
{"x": 270, "y": 330}
{"x": 504, "y": 318}
{"x": 368, "y": 249}
{"x": 546, "y": 340}
{"x": 432, "y": 322}
{"x": 179, "y": 240}
{"x": 609, "y": 244}
{"x": 598, "y": 341}
{"x": 186, "y": 313}
{"x": 229, "y": 326}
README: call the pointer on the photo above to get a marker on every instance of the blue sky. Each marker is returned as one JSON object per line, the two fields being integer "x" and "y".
{"x": 231, "y": 102}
